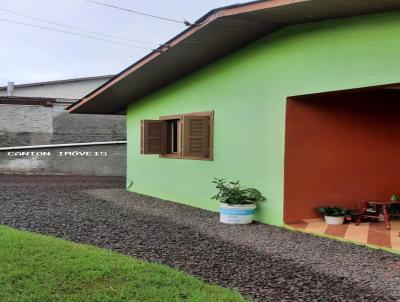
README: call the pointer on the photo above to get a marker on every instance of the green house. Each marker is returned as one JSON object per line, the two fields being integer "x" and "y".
{"x": 299, "y": 99}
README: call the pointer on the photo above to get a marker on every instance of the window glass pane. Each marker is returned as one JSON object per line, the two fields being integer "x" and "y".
{"x": 174, "y": 136}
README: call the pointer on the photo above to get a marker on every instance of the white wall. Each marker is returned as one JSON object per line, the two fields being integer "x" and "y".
{"x": 64, "y": 90}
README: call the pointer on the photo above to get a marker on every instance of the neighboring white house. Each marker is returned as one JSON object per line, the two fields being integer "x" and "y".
{"x": 62, "y": 89}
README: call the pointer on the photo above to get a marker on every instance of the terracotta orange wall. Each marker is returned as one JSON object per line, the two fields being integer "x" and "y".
{"x": 341, "y": 149}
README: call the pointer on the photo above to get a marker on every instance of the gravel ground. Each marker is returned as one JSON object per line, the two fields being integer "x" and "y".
{"x": 263, "y": 262}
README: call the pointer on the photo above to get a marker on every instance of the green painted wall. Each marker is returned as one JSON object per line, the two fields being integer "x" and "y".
{"x": 248, "y": 91}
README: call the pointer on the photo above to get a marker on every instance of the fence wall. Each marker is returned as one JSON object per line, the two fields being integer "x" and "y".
{"x": 96, "y": 160}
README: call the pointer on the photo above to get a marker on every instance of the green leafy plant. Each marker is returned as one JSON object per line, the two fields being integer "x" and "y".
{"x": 395, "y": 197}
{"x": 394, "y": 209}
{"x": 333, "y": 211}
{"x": 231, "y": 192}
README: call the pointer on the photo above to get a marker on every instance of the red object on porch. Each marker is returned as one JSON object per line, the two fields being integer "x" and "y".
{"x": 380, "y": 207}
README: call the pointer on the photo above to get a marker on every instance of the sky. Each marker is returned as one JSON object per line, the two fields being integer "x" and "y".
{"x": 34, "y": 55}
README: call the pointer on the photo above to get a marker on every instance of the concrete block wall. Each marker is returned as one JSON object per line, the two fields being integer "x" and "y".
{"x": 95, "y": 160}
{"x": 30, "y": 125}
{"x": 80, "y": 128}
{"x": 25, "y": 118}
{"x": 11, "y": 139}
{"x": 26, "y": 125}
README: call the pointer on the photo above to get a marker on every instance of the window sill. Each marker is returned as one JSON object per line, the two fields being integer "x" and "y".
{"x": 177, "y": 156}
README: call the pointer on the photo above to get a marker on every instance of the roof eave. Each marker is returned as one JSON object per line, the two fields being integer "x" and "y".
{"x": 97, "y": 100}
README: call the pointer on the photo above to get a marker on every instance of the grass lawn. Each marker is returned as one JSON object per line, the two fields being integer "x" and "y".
{"x": 42, "y": 268}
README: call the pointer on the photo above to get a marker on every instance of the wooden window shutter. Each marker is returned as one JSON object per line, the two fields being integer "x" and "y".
{"x": 153, "y": 137}
{"x": 196, "y": 136}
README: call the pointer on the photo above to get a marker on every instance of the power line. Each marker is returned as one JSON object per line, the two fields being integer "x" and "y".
{"x": 73, "y": 27}
{"x": 140, "y": 13}
{"x": 74, "y": 33}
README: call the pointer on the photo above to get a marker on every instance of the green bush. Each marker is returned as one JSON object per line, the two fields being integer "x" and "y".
{"x": 233, "y": 193}
{"x": 333, "y": 211}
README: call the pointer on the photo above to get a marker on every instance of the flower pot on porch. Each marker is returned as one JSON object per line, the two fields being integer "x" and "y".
{"x": 334, "y": 220}
{"x": 237, "y": 214}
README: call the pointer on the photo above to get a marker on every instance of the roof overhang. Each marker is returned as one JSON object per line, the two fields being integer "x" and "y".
{"x": 218, "y": 33}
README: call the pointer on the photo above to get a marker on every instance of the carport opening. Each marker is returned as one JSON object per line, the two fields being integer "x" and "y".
{"x": 342, "y": 148}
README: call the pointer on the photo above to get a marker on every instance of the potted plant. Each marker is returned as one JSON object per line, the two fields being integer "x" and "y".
{"x": 333, "y": 215}
{"x": 394, "y": 209}
{"x": 395, "y": 197}
{"x": 237, "y": 204}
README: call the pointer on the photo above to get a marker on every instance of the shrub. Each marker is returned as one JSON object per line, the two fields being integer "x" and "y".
{"x": 233, "y": 193}
{"x": 333, "y": 211}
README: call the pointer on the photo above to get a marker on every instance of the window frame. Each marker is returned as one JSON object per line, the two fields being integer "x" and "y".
{"x": 210, "y": 157}
{"x": 175, "y": 129}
